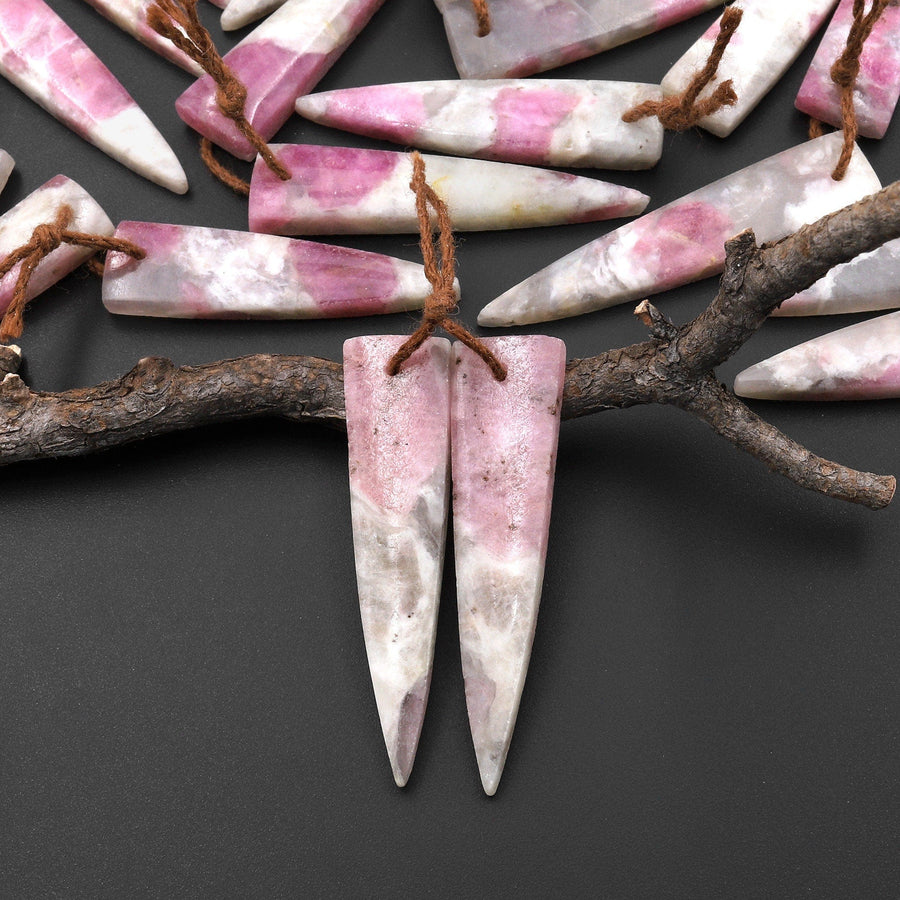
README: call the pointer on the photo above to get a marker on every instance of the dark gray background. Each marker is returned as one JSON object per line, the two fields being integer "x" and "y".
{"x": 712, "y": 706}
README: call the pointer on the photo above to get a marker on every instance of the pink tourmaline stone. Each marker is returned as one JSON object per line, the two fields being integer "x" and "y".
{"x": 343, "y": 190}
{"x": 547, "y": 122}
{"x": 7, "y": 164}
{"x": 277, "y": 62}
{"x": 398, "y": 436}
{"x": 503, "y": 437}
{"x": 46, "y": 60}
{"x": 531, "y": 36}
{"x": 878, "y": 83}
{"x": 861, "y": 362}
{"x": 39, "y": 208}
{"x": 193, "y": 272}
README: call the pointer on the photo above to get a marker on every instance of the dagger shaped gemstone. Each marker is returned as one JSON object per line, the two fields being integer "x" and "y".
{"x": 529, "y": 36}
{"x": 40, "y": 208}
{"x": 7, "y": 164}
{"x": 538, "y": 122}
{"x": 46, "y": 60}
{"x": 398, "y": 432}
{"x": 131, "y": 17}
{"x": 343, "y": 190}
{"x": 860, "y": 362}
{"x": 504, "y": 438}
{"x": 771, "y": 36}
{"x": 239, "y": 13}
{"x": 877, "y": 84}
{"x": 192, "y": 272}
{"x": 278, "y": 61}
{"x": 684, "y": 241}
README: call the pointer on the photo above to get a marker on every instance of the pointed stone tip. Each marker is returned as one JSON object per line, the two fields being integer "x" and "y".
{"x": 311, "y": 106}
{"x": 490, "y": 772}
{"x": 755, "y": 383}
{"x": 233, "y": 18}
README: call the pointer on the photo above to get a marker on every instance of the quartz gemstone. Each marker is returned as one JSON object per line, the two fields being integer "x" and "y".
{"x": 284, "y": 57}
{"x": 343, "y": 190}
{"x": 504, "y": 438}
{"x": 40, "y": 208}
{"x": 684, "y": 241}
{"x": 531, "y": 36}
{"x": 878, "y": 83}
{"x": 192, "y": 272}
{"x": 539, "y": 122}
{"x": 46, "y": 60}
{"x": 7, "y": 164}
{"x": 220, "y": 3}
{"x": 398, "y": 432}
{"x": 239, "y": 13}
{"x": 131, "y": 17}
{"x": 860, "y": 362}
{"x": 770, "y": 37}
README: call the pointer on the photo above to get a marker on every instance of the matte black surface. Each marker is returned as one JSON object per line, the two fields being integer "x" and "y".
{"x": 712, "y": 706}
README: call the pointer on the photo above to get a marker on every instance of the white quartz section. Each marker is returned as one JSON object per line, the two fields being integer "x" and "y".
{"x": 7, "y": 164}
{"x": 239, "y": 13}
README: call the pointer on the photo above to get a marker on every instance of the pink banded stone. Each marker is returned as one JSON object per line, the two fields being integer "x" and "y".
{"x": 398, "y": 432}
{"x": 861, "y": 362}
{"x": 46, "y": 60}
{"x": 503, "y": 445}
{"x": 39, "y": 208}
{"x": 539, "y": 122}
{"x": 878, "y": 83}
{"x": 685, "y": 240}
{"x": 278, "y": 61}
{"x": 343, "y": 190}
{"x": 7, "y": 164}
{"x": 242, "y": 12}
{"x": 770, "y": 37}
{"x": 531, "y": 36}
{"x": 193, "y": 272}
{"x": 131, "y": 17}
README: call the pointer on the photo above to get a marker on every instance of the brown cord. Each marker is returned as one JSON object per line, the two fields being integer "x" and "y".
{"x": 179, "y": 21}
{"x": 682, "y": 112}
{"x": 816, "y": 128}
{"x": 44, "y": 240}
{"x": 483, "y": 17}
{"x": 441, "y": 303}
{"x": 224, "y": 174}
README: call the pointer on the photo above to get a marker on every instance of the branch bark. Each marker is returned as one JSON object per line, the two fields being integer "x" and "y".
{"x": 675, "y": 366}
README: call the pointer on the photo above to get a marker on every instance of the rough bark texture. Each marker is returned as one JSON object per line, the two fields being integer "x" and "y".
{"x": 675, "y": 366}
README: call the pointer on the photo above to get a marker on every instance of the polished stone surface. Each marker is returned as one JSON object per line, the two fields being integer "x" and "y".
{"x": 546, "y": 122}
{"x": 7, "y": 164}
{"x": 504, "y": 440}
{"x": 342, "y": 190}
{"x": 239, "y": 13}
{"x": 398, "y": 431}
{"x": 684, "y": 241}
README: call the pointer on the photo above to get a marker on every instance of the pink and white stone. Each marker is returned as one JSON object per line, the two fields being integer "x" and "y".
{"x": 204, "y": 273}
{"x": 343, "y": 190}
{"x": 398, "y": 431}
{"x": 46, "y": 60}
{"x": 220, "y": 3}
{"x": 878, "y": 84}
{"x": 131, "y": 17}
{"x": 281, "y": 59}
{"x": 239, "y": 13}
{"x": 40, "y": 208}
{"x": 770, "y": 37}
{"x": 531, "y": 36}
{"x": 538, "y": 122}
{"x": 684, "y": 241}
{"x": 7, "y": 164}
{"x": 861, "y": 362}
{"x": 504, "y": 438}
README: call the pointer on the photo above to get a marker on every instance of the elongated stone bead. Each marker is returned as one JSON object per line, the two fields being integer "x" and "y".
{"x": 205, "y": 273}
{"x": 878, "y": 83}
{"x": 7, "y": 164}
{"x": 342, "y": 190}
{"x": 40, "y": 208}
{"x": 531, "y": 36}
{"x": 861, "y": 362}
{"x": 284, "y": 57}
{"x": 46, "y": 60}
{"x": 685, "y": 240}
{"x": 770, "y": 37}
{"x": 239, "y": 13}
{"x": 131, "y": 17}
{"x": 504, "y": 438}
{"x": 399, "y": 448}
{"x": 539, "y": 122}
